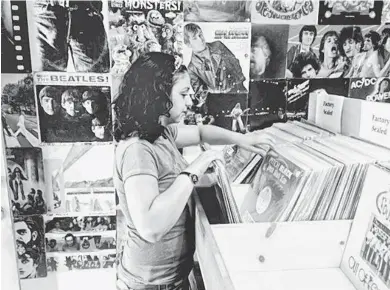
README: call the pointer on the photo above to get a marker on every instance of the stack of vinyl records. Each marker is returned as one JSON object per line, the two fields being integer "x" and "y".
{"x": 310, "y": 174}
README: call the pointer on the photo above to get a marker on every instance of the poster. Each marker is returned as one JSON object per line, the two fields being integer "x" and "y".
{"x": 371, "y": 89}
{"x": 268, "y": 51}
{"x": 282, "y": 12}
{"x": 73, "y": 107}
{"x": 216, "y": 11}
{"x": 18, "y": 110}
{"x": 15, "y": 47}
{"x": 75, "y": 190}
{"x": 334, "y": 51}
{"x": 26, "y": 181}
{"x": 217, "y": 56}
{"x": 68, "y": 36}
{"x": 350, "y": 12}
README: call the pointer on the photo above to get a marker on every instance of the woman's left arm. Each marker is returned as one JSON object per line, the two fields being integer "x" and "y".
{"x": 191, "y": 135}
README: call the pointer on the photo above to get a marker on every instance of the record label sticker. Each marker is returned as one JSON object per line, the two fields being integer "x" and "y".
{"x": 375, "y": 123}
{"x": 329, "y": 111}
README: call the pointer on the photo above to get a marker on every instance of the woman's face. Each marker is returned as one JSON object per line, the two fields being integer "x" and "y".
{"x": 330, "y": 46}
{"x": 180, "y": 97}
{"x": 26, "y": 266}
{"x": 387, "y": 45}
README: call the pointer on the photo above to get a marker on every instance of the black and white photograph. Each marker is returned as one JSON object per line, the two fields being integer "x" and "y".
{"x": 268, "y": 51}
{"x": 30, "y": 246}
{"x": 76, "y": 186}
{"x": 26, "y": 180}
{"x": 74, "y": 242}
{"x": 229, "y": 111}
{"x": 75, "y": 262}
{"x": 15, "y": 46}
{"x": 299, "y": 90}
{"x": 284, "y": 12}
{"x": 138, "y": 27}
{"x": 370, "y": 89}
{"x": 73, "y": 107}
{"x": 18, "y": 111}
{"x": 69, "y": 36}
{"x": 217, "y": 56}
{"x": 216, "y": 11}
{"x": 77, "y": 224}
{"x": 350, "y": 12}
{"x": 267, "y": 103}
{"x": 375, "y": 250}
{"x": 335, "y": 51}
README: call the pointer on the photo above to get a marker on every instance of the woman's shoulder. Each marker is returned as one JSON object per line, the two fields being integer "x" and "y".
{"x": 133, "y": 146}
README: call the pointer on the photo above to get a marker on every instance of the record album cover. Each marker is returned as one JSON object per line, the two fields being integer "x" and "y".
{"x": 26, "y": 181}
{"x": 268, "y": 51}
{"x": 350, "y": 12}
{"x": 15, "y": 47}
{"x": 371, "y": 89}
{"x": 282, "y": 12}
{"x": 138, "y": 27}
{"x": 73, "y": 107}
{"x": 216, "y": 11}
{"x": 18, "y": 110}
{"x": 79, "y": 262}
{"x": 217, "y": 56}
{"x": 69, "y": 35}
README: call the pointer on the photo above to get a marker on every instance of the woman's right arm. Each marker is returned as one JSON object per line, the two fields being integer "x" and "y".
{"x": 154, "y": 213}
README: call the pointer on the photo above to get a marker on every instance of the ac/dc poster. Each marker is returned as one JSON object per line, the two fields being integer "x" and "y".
{"x": 73, "y": 107}
{"x": 69, "y": 35}
{"x": 282, "y": 12}
{"x": 229, "y": 111}
{"x": 267, "y": 103}
{"x": 370, "y": 89}
{"x": 26, "y": 181}
{"x": 15, "y": 47}
{"x": 216, "y": 11}
{"x": 350, "y": 12}
{"x": 19, "y": 114}
{"x": 298, "y": 91}
{"x": 30, "y": 247}
{"x": 268, "y": 51}
{"x": 138, "y": 27}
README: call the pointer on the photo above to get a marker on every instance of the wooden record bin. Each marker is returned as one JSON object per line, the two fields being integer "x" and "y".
{"x": 267, "y": 256}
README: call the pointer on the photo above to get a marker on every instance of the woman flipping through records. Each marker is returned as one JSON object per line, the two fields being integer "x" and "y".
{"x": 154, "y": 182}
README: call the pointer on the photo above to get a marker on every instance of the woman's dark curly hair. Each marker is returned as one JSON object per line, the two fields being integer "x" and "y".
{"x": 144, "y": 96}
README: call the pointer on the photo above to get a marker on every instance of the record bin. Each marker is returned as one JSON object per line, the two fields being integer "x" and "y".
{"x": 287, "y": 255}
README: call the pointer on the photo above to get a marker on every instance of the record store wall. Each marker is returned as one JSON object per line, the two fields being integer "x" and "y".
{"x": 61, "y": 66}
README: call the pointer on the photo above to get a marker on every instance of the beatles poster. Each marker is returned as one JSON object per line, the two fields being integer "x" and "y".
{"x": 350, "y": 12}
{"x": 73, "y": 107}
{"x": 68, "y": 36}
{"x": 217, "y": 56}
{"x": 268, "y": 51}
{"x": 371, "y": 89}
{"x": 282, "y": 12}
{"x": 18, "y": 111}
{"x": 216, "y": 11}
{"x": 15, "y": 47}
{"x": 26, "y": 181}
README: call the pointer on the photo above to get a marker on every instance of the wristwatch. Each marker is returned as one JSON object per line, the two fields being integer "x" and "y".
{"x": 194, "y": 178}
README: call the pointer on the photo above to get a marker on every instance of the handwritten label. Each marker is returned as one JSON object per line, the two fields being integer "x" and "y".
{"x": 329, "y": 110}
{"x": 375, "y": 123}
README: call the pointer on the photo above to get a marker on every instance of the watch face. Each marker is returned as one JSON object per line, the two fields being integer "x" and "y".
{"x": 194, "y": 178}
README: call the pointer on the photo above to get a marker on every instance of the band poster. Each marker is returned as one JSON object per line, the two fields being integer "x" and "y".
{"x": 371, "y": 89}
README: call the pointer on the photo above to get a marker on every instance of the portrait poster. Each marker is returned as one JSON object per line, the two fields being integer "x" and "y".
{"x": 370, "y": 89}
{"x": 73, "y": 107}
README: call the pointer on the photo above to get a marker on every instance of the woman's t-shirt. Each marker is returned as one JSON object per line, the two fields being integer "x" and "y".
{"x": 169, "y": 259}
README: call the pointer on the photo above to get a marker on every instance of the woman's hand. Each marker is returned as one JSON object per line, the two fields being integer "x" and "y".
{"x": 255, "y": 141}
{"x": 200, "y": 165}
